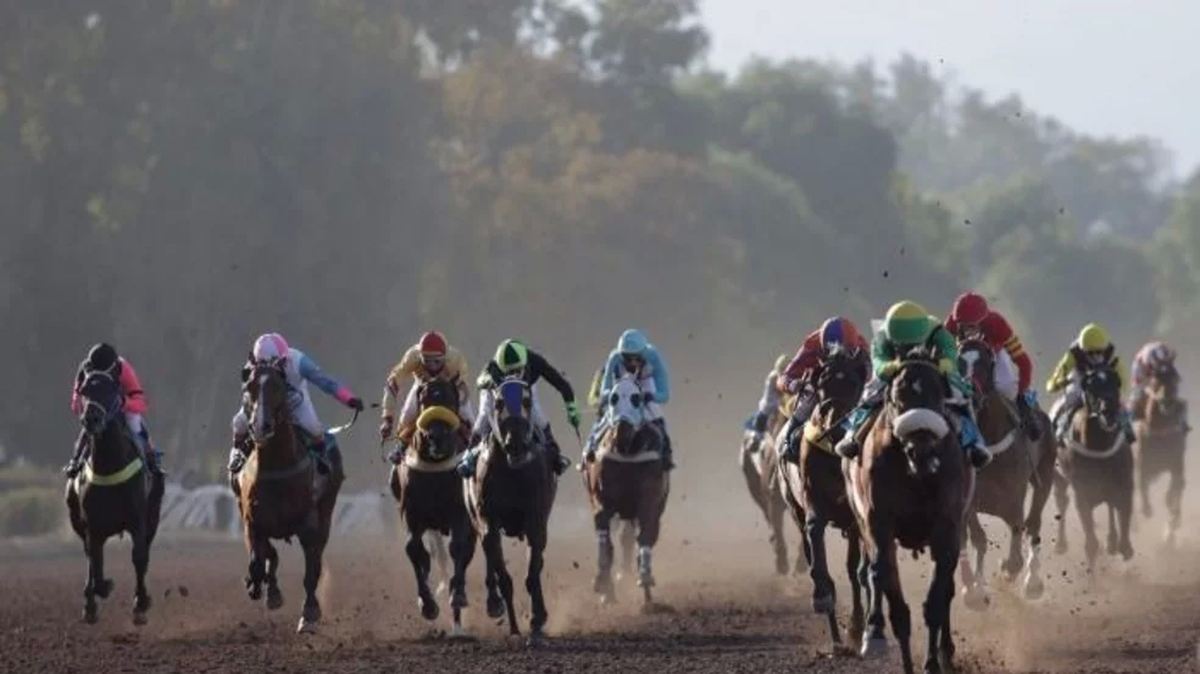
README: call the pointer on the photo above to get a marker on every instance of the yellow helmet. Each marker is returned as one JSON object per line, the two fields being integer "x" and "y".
{"x": 781, "y": 362}
{"x": 907, "y": 323}
{"x": 1093, "y": 338}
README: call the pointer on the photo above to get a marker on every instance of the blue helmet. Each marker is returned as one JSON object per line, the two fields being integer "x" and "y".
{"x": 632, "y": 343}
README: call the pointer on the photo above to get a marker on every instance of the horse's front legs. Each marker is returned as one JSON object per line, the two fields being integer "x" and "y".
{"x": 313, "y": 541}
{"x": 824, "y": 593}
{"x": 422, "y": 565}
{"x": 462, "y": 551}
{"x": 141, "y": 561}
{"x": 97, "y": 585}
{"x": 274, "y": 596}
{"x": 944, "y": 545}
{"x": 533, "y": 585}
{"x": 603, "y": 584}
{"x": 854, "y": 558}
{"x": 493, "y": 549}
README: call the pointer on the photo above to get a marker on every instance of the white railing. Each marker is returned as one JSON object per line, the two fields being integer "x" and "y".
{"x": 213, "y": 508}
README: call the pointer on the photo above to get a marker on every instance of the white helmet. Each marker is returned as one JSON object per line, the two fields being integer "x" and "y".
{"x": 271, "y": 346}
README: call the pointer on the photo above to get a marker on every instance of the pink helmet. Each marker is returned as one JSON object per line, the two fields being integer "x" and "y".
{"x": 271, "y": 346}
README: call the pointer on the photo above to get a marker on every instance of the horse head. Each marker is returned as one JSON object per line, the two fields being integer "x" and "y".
{"x": 917, "y": 398}
{"x": 438, "y": 424}
{"x": 1164, "y": 385}
{"x": 977, "y": 364}
{"x": 628, "y": 412}
{"x": 1101, "y": 388}
{"x": 511, "y": 420}
{"x": 103, "y": 401}
{"x": 265, "y": 394}
{"x": 838, "y": 384}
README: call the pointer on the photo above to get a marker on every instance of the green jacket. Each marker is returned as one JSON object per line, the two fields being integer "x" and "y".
{"x": 885, "y": 357}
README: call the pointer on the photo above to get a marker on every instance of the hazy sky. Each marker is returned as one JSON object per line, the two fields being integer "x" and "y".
{"x": 1105, "y": 67}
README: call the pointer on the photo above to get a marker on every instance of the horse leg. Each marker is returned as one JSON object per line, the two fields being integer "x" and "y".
{"x": 313, "y": 541}
{"x": 1144, "y": 478}
{"x": 1124, "y": 517}
{"x": 940, "y": 652}
{"x": 628, "y": 543}
{"x": 141, "y": 561}
{"x": 97, "y": 585}
{"x": 1061, "y": 501}
{"x": 824, "y": 593}
{"x": 603, "y": 584}
{"x": 649, "y": 517}
{"x": 462, "y": 551}
{"x": 854, "y": 559}
{"x": 494, "y": 549}
{"x": 1042, "y": 483}
{"x": 533, "y": 585}
{"x": 898, "y": 611}
{"x": 491, "y": 579}
{"x": 875, "y": 642}
{"x": 974, "y": 581}
{"x": 444, "y": 562}
{"x": 421, "y": 563}
{"x": 778, "y": 541}
{"x": 1112, "y": 529}
{"x": 1091, "y": 544}
{"x": 274, "y": 596}
{"x": 1174, "y": 500}
{"x": 1012, "y": 565}
{"x": 256, "y": 571}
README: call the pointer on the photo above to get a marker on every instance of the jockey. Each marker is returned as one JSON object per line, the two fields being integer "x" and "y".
{"x": 1090, "y": 349}
{"x": 638, "y": 356}
{"x": 835, "y": 334}
{"x": 103, "y": 358}
{"x": 430, "y": 358}
{"x": 907, "y": 324}
{"x": 1013, "y": 368}
{"x": 298, "y": 370}
{"x": 769, "y": 404}
{"x": 1152, "y": 356}
{"x": 514, "y": 359}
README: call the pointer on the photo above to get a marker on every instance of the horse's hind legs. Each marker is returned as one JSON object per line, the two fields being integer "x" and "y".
{"x": 274, "y": 596}
{"x": 854, "y": 558}
{"x": 421, "y": 563}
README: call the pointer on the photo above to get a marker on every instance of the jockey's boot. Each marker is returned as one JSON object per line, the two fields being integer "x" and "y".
{"x": 790, "y": 451}
{"x": 1127, "y": 425}
{"x": 77, "y": 456}
{"x": 972, "y": 441}
{"x": 239, "y": 452}
{"x": 589, "y": 447}
{"x": 756, "y": 425}
{"x": 1025, "y": 407}
{"x": 466, "y": 467}
{"x": 150, "y": 452}
{"x": 1136, "y": 406}
{"x": 1062, "y": 423}
{"x": 848, "y": 447}
{"x": 558, "y": 462}
{"x": 668, "y": 453}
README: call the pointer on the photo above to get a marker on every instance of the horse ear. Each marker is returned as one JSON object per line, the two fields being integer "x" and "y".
{"x": 250, "y": 358}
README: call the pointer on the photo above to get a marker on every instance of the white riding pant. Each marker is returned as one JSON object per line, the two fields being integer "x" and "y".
{"x": 1006, "y": 375}
{"x": 487, "y": 406}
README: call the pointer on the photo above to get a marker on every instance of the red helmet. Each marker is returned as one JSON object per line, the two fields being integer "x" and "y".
{"x": 970, "y": 308}
{"x": 432, "y": 345}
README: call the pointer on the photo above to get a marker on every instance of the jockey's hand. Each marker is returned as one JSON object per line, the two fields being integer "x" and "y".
{"x": 474, "y": 440}
{"x": 385, "y": 429}
{"x": 888, "y": 370}
{"x": 355, "y": 404}
{"x": 573, "y": 414}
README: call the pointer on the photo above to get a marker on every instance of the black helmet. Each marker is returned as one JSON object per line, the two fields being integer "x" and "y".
{"x": 102, "y": 357}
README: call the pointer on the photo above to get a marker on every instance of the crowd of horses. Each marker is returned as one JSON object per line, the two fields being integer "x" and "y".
{"x": 911, "y": 488}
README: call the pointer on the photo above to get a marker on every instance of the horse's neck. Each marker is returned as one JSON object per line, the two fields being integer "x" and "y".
{"x": 1093, "y": 433}
{"x": 283, "y": 449}
{"x": 113, "y": 450}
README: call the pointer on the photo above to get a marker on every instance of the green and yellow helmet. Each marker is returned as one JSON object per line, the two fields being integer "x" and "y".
{"x": 1093, "y": 338}
{"x": 511, "y": 356}
{"x": 907, "y": 323}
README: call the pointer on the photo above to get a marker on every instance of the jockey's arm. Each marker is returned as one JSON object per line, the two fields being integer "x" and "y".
{"x": 1062, "y": 372}
{"x": 391, "y": 389}
{"x": 540, "y": 367}
{"x": 1002, "y": 336}
{"x": 135, "y": 396}
{"x": 769, "y": 402}
{"x": 610, "y": 369}
{"x": 882, "y": 357}
{"x": 311, "y": 372}
{"x": 662, "y": 384}
{"x": 456, "y": 364}
{"x": 593, "y": 396}
{"x": 1116, "y": 363}
{"x": 483, "y": 421}
{"x": 76, "y": 400}
{"x": 801, "y": 363}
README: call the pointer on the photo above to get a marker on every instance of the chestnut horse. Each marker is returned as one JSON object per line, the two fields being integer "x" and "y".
{"x": 759, "y": 460}
{"x": 1162, "y": 439}
{"x": 910, "y": 485}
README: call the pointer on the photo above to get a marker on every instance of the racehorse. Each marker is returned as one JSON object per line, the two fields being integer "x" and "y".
{"x": 429, "y": 496}
{"x": 816, "y": 490}
{"x": 910, "y": 485}
{"x": 512, "y": 494}
{"x": 759, "y": 459}
{"x": 282, "y": 492}
{"x": 626, "y": 480}
{"x": 115, "y": 493}
{"x": 1097, "y": 461}
{"x": 1162, "y": 439}
{"x": 1018, "y": 464}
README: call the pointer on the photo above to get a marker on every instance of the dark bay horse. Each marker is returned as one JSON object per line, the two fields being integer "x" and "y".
{"x": 910, "y": 486}
{"x": 512, "y": 494}
{"x": 627, "y": 481}
{"x": 759, "y": 460}
{"x": 1097, "y": 462}
{"x": 115, "y": 493}
{"x": 280, "y": 493}
{"x": 429, "y": 495}
{"x": 1002, "y": 486}
{"x": 1162, "y": 430}
{"x": 816, "y": 490}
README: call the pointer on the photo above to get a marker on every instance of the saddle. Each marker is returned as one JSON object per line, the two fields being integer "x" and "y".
{"x": 815, "y": 434}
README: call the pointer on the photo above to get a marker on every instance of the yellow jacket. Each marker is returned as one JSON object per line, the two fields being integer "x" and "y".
{"x": 410, "y": 365}
{"x": 1066, "y": 368}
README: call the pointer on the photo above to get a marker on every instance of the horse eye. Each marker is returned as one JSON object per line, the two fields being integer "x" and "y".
{"x": 635, "y": 399}
{"x": 614, "y": 398}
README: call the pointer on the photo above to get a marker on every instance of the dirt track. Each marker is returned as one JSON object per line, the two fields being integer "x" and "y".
{"x": 731, "y": 615}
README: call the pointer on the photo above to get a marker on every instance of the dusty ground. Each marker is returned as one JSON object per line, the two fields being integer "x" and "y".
{"x": 732, "y": 615}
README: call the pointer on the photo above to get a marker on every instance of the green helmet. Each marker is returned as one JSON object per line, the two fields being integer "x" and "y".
{"x": 907, "y": 323}
{"x": 511, "y": 356}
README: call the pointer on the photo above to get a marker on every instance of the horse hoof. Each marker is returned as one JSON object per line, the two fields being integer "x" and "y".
{"x": 1034, "y": 589}
{"x": 645, "y": 581}
{"x": 307, "y": 626}
{"x": 781, "y": 566}
{"x": 458, "y": 633}
{"x": 254, "y": 592}
{"x": 1127, "y": 552}
{"x": 442, "y": 588}
{"x": 874, "y": 647}
{"x": 90, "y": 616}
{"x": 104, "y": 588}
{"x": 459, "y": 600}
{"x": 1113, "y": 548}
{"x": 274, "y": 599}
{"x": 976, "y": 598}
{"x": 139, "y": 618}
{"x": 608, "y": 599}
{"x": 823, "y": 605}
{"x": 495, "y": 607}
{"x": 429, "y": 608}
{"x": 537, "y": 638}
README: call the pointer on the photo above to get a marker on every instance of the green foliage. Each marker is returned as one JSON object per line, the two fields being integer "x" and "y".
{"x": 31, "y": 511}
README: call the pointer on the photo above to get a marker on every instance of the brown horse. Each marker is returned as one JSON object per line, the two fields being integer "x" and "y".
{"x": 1097, "y": 462}
{"x": 1162, "y": 439}
{"x": 759, "y": 459}
{"x": 512, "y": 494}
{"x": 114, "y": 494}
{"x": 816, "y": 490}
{"x": 910, "y": 486}
{"x": 626, "y": 480}
{"x": 1017, "y": 464}
{"x": 430, "y": 498}
{"x": 281, "y": 493}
